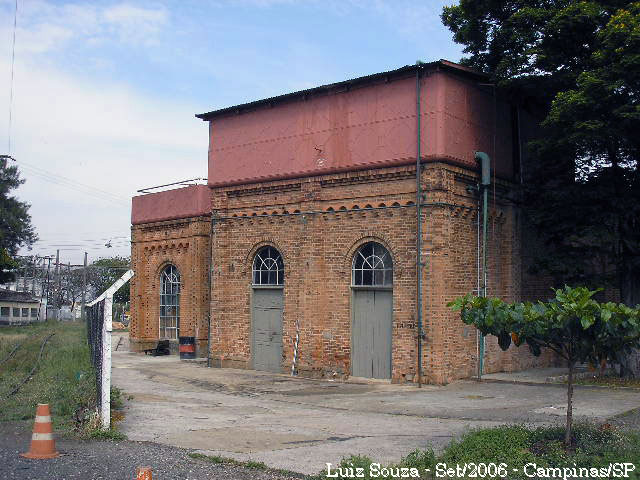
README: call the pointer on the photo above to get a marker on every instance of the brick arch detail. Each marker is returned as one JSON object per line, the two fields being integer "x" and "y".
{"x": 247, "y": 266}
{"x": 347, "y": 260}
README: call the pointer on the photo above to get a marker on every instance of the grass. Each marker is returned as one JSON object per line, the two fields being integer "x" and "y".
{"x": 251, "y": 464}
{"x": 64, "y": 378}
{"x": 514, "y": 446}
{"x": 611, "y": 381}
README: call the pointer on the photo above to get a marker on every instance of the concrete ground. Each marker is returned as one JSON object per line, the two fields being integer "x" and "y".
{"x": 301, "y": 424}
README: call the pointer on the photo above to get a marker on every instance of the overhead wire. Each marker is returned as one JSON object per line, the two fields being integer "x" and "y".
{"x": 13, "y": 61}
{"x": 63, "y": 181}
{"x": 116, "y": 240}
{"x": 40, "y": 172}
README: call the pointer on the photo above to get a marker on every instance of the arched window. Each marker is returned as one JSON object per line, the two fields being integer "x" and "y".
{"x": 169, "y": 303}
{"x": 372, "y": 266}
{"x": 268, "y": 267}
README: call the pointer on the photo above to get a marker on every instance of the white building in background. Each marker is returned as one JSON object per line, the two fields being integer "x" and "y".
{"x": 18, "y": 308}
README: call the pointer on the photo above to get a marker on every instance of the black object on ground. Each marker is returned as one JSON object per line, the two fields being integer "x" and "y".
{"x": 161, "y": 349}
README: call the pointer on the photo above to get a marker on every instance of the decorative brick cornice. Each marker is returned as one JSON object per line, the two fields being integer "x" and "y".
{"x": 264, "y": 189}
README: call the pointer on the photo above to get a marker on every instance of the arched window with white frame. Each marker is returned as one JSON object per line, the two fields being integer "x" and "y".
{"x": 268, "y": 267}
{"x": 372, "y": 266}
{"x": 170, "y": 303}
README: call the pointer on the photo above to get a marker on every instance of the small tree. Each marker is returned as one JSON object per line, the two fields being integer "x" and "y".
{"x": 71, "y": 284}
{"x": 572, "y": 324}
{"x": 105, "y": 271}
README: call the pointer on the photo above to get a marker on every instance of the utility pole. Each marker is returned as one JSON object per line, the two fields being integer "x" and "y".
{"x": 24, "y": 278}
{"x": 33, "y": 276}
{"x": 46, "y": 308}
{"x": 57, "y": 295}
{"x": 70, "y": 289}
{"x": 84, "y": 287}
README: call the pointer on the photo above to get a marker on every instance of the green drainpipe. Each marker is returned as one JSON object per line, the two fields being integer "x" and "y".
{"x": 485, "y": 181}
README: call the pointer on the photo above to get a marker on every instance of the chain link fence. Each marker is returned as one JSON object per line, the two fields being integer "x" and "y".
{"x": 95, "y": 332}
{"x": 99, "y": 314}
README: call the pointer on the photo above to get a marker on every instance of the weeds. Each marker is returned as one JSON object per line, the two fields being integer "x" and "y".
{"x": 57, "y": 381}
{"x": 64, "y": 378}
{"x": 228, "y": 461}
{"x": 514, "y": 445}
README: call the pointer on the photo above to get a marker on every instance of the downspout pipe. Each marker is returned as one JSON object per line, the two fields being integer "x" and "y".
{"x": 419, "y": 263}
{"x": 209, "y": 286}
{"x": 485, "y": 180}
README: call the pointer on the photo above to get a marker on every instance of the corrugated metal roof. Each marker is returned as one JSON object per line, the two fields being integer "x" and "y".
{"x": 325, "y": 89}
{"x": 13, "y": 296}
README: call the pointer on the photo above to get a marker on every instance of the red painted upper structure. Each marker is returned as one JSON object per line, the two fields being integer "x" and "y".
{"x": 366, "y": 122}
{"x": 363, "y": 123}
{"x": 183, "y": 202}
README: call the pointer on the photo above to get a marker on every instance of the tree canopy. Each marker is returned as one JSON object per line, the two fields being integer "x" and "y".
{"x": 104, "y": 272}
{"x": 15, "y": 222}
{"x": 580, "y": 62}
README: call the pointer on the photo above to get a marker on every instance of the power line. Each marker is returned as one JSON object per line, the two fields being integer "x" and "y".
{"x": 81, "y": 243}
{"x": 66, "y": 179}
{"x": 111, "y": 237}
{"x": 72, "y": 184}
{"x": 13, "y": 61}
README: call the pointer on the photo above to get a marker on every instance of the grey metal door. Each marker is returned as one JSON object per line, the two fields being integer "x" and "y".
{"x": 267, "y": 329}
{"x": 371, "y": 333}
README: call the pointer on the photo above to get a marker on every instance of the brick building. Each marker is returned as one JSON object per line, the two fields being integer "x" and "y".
{"x": 307, "y": 228}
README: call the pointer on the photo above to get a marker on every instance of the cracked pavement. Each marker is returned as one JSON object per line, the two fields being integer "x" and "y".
{"x": 301, "y": 424}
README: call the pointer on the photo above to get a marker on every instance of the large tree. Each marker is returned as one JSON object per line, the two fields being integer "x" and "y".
{"x": 15, "y": 222}
{"x": 580, "y": 61}
{"x": 104, "y": 272}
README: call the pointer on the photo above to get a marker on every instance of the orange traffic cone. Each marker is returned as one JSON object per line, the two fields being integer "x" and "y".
{"x": 143, "y": 473}
{"x": 42, "y": 443}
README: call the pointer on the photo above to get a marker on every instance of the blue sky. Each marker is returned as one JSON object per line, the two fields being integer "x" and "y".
{"x": 105, "y": 92}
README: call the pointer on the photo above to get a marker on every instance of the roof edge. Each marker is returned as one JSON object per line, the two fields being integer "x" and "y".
{"x": 359, "y": 81}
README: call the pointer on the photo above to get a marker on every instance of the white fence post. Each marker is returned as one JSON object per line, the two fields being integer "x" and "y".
{"x": 107, "y": 327}
{"x": 105, "y": 415}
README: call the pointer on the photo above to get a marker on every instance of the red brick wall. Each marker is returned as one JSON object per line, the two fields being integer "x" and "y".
{"x": 318, "y": 223}
{"x": 185, "y": 244}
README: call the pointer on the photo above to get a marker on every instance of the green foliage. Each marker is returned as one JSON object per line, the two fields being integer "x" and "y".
{"x": 208, "y": 458}
{"x": 421, "y": 459}
{"x": 504, "y": 444}
{"x": 572, "y": 324}
{"x": 64, "y": 379}
{"x": 15, "y": 222}
{"x": 575, "y": 65}
{"x": 111, "y": 434}
{"x": 255, "y": 465}
{"x": 354, "y": 462}
{"x": 105, "y": 271}
{"x": 116, "y": 398}
{"x": 517, "y": 445}
{"x": 251, "y": 464}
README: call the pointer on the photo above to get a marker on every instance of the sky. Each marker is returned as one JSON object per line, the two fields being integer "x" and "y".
{"x": 105, "y": 92}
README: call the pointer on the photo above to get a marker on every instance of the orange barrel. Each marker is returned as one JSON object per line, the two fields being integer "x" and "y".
{"x": 187, "y": 348}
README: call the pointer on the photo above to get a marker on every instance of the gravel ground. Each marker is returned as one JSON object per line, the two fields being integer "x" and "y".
{"x": 94, "y": 460}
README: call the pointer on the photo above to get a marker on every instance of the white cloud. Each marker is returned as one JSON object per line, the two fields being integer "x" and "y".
{"x": 107, "y": 136}
{"x": 41, "y": 39}
{"x": 134, "y": 24}
{"x": 44, "y": 26}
